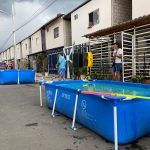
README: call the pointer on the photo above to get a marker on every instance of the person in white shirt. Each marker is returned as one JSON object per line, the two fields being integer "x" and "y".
{"x": 117, "y": 63}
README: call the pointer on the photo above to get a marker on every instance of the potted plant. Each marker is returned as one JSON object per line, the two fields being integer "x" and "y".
{"x": 137, "y": 79}
{"x": 41, "y": 59}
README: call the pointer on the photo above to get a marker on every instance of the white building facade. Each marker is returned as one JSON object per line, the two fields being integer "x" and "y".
{"x": 58, "y": 33}
{"x": 140, "y": 8}
{"x": 98, "y": 14}
{"x": 36, "y": 42}
{"x": 57, "y": 36}
{"x": 26, "y": 48}
{"x": 12, "y": 53}
{"x": 8, "y": 54}
{"x": 0, "y": 57}
{"x": 5, "y": 56}
{"x": 18, "y": 51}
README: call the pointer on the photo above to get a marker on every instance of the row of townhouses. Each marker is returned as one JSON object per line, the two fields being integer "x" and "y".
{"x": 96, "y": 23}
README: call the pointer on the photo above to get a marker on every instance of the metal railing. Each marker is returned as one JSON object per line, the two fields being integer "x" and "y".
{"x": 136, "y": 53}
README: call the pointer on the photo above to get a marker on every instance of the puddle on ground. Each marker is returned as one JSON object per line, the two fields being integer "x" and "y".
{"x": 132, "y": 146}
{"x": 31, "y": 124}
{"x": 135, "y": 146}
{"x": 80, "y": 137}
{"x": 97, "y": 147}
{"x": 65, "y": 128}
{"x": 30, "y": 85}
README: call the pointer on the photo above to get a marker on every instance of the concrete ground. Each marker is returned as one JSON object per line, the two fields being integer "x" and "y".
{"x": 26, "y": 126}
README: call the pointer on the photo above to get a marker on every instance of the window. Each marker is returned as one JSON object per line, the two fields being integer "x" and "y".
{"x": 29, "y": 42}
{"x": 47, "y": 29}
{"x": 93, "y": 18}
{"x": 37, "y": 40}
{"x": 56, "y": 32}
{"x": 76, "y": 17}
{"x": 26, "y": 46}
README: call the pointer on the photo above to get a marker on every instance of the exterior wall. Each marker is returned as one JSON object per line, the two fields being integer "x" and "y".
{"x": 80, "y": 26}
{"x": 43, "y": 39}
{"x": 5, "y": 55}
{"x": 25, "y": 48}
{"x": 121, "y": 11}
{"x": 1, "y": 57}
{"x": 67, "y": 33}
{"x": 18, "y": 51}
{"x": 52, "y": 42}
{"x": 140, "y": 8}
{"x": 12, "y": 54}
{"x": 36, "y": 42}
{"x": 8, "y": 54}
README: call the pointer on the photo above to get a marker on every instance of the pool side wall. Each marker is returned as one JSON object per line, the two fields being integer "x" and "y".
{"x": 97, "y": 113}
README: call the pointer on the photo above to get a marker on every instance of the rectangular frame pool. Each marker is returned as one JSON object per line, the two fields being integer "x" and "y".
{"x": 96, "y": 112}
{"x": 17, "y": 76}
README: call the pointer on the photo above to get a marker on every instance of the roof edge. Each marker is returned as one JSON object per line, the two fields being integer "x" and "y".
{"x": 120, "y": 27}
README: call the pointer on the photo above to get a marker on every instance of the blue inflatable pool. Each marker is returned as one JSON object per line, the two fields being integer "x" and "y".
{"x": 96, "y": 112}
{"x": 17, "y": 76}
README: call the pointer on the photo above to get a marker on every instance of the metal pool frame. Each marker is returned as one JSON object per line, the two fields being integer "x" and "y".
{"x": 73, "y": 126}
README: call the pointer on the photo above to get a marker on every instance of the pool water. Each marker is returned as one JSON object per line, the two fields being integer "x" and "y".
{"x": 109, "y": 88}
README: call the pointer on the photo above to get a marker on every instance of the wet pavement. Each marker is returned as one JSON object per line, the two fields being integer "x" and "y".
{"x": 26, "y": 126}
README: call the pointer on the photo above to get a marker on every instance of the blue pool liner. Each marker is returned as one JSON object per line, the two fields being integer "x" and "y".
{"x": 8, "y": 76}
{"x": 26, "y": 76}
{"x": 96, "y": 112}
{"x": 17, "y": 76}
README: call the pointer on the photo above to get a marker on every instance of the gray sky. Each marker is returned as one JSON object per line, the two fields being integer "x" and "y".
{"x": 26, "y": 10}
